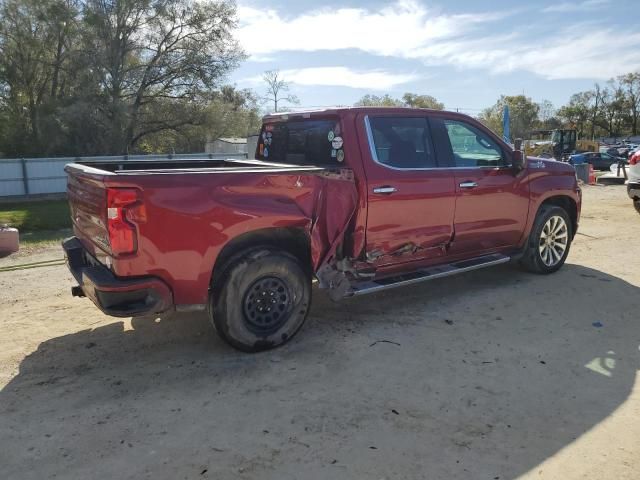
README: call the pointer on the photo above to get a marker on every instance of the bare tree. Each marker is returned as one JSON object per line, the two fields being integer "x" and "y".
{"x": 631, "y": 85}
{"x": 596, "y": 96}
{"x": 278, "y": 89}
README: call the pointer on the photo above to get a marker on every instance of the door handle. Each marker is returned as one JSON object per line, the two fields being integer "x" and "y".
{"x": 386, "y": 190}
{"x": 468, "y": 185}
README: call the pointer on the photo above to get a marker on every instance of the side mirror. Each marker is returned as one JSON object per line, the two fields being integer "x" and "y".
{"x": 518, "y": 160}
{"x": 517, "y": 145}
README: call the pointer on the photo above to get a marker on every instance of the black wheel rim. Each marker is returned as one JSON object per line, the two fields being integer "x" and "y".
{"x": 267, "y": 305}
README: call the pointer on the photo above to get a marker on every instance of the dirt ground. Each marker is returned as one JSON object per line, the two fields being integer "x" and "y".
{"x": 498, "y": 374}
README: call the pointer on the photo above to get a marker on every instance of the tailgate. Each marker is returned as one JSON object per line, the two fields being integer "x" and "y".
{"x": 87, "y": 197}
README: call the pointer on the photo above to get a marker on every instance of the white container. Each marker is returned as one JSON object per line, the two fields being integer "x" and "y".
{"x": 9, "y": 241}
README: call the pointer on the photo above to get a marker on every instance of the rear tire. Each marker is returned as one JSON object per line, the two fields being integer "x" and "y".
{"x": 262, "y": 300}
{"x": 548, "y": 245}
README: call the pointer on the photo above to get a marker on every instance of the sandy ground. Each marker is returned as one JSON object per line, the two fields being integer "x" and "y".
{"x": 497, "y": 374}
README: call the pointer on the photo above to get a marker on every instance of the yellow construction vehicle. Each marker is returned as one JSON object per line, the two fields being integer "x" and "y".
{"x": 558, "y": 144}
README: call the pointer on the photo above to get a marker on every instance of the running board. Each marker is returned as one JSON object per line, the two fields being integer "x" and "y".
{"x": 425, "y": 274}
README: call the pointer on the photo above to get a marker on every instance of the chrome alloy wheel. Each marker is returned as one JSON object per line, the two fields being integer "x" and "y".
{"x": 554, "y": 240}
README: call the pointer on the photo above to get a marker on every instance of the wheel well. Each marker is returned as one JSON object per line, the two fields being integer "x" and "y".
{"x": 569, "y": 206}
{"x": 292, "y": 240}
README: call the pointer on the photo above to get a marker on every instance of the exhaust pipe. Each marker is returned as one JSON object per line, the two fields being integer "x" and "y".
{"x": 77, "y": 291}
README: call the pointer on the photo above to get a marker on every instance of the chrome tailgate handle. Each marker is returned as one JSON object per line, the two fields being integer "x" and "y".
{"x": 385, "y": 190}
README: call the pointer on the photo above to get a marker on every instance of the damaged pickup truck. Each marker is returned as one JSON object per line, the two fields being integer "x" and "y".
{"x": 362, "y": 199}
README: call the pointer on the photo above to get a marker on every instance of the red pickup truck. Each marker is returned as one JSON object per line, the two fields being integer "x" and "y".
{"x": 361, "y": 199}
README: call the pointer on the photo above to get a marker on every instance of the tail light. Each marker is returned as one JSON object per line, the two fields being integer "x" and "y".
{"x": 635, "y": 159}
{"x": 123, "y": 206}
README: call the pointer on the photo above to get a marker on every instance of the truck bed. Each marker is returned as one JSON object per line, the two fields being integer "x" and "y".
{"x": 188, "y": 211}
{"x": 192, "y": 166}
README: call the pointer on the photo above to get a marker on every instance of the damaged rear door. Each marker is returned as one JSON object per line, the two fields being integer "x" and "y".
{"x": 411, "y": 200}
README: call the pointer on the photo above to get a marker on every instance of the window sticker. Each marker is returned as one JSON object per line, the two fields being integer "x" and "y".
{"x": 337, "y": 143}
{"x": 331, "y": 135}
{"x": 265, "y": 153}
{"x": 340, "y": 156}
{"x": 334, "y": 153}
{"x": 261, "y": 149}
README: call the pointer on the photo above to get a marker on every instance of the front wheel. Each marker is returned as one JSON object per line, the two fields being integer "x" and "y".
{"x": 548, "y": 244}
{"x": 262, "y": 301}
{"x": 636, "y": 204}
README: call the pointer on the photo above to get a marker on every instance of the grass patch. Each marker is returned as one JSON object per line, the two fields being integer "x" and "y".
{"x": 32, "y": 217}
{"x": 44, "y": 238}
{"x": 41, "y": 224}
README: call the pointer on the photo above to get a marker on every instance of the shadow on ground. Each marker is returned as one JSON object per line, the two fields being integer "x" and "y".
{"x": 481, "y": 376}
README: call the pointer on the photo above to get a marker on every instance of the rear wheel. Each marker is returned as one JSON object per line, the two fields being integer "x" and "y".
{"x": 262, "y": 301}
{"x": 548, "y": 244}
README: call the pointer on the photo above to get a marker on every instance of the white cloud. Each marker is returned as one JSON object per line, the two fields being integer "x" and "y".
{"x": 262, "y": 59}
{"x": 601, "y": 54}
{"x": 342, "y": 77}
{"x": 402, "y": 26}
{"x": 576, "y": 6}
{"x": 406, "y": 29}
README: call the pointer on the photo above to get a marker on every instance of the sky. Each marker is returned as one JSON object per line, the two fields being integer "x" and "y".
{"x": 466, "y": 53}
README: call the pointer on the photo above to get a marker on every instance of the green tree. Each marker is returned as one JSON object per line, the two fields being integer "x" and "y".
{"x": 378, "y": 101}
{"x": 576, "y": 113}
{"x": 411, "y": 100}
{"x": 422, "y": 101}
{"x": 229, "y": 113}
{"x": 523, "y": 114}
{"x": 150, "y": 56}
{"x": 37, "y": 42}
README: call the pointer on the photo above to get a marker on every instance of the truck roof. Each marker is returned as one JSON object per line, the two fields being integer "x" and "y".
{"x": 341, "y": 110}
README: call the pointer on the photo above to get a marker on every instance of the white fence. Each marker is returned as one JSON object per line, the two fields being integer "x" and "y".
{"x": 37, "y": 176}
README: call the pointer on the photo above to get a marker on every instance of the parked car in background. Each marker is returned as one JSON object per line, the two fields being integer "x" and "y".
{"x": 633, "y": 185}
{"x": 602, "y": 161}
{"x": 617, "y": 151}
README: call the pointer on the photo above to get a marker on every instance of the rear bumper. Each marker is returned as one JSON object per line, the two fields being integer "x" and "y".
{"x": 115, "y": 296}
{"x": 633, "y": 189}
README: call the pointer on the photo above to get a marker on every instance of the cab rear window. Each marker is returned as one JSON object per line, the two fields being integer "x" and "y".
{"x": 305, "y": 142}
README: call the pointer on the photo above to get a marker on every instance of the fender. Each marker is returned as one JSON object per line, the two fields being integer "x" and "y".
{"x": 548, "y": 179}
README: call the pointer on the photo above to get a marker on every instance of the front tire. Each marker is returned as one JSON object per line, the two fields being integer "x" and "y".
{"x": 262, "y": 301}
{"x": 636, "y": 205}
{"x": 548, "y": 245}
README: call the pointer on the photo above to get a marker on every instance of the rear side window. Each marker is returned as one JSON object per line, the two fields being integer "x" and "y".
{"x": 402, "y": 142}
{"x": 306, "y": 142}
{"x": 472, "y": 147}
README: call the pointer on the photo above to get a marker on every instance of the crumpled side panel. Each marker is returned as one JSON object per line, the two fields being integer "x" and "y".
{"x": 335, "y": 207}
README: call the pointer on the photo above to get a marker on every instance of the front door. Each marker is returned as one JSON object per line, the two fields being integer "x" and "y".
{"x": 492, "y": 199}
{"x": 411, "y": 200}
